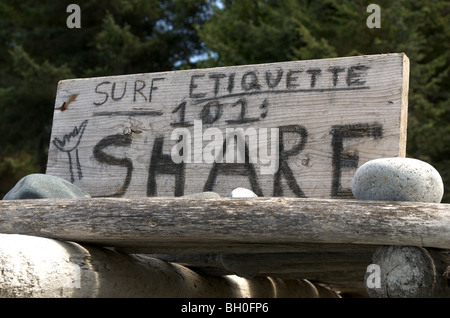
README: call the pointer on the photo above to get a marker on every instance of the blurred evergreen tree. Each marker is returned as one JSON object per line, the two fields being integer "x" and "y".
{"x": 37, "y": 49}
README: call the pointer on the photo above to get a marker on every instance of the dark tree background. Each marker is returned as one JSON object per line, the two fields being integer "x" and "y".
{"x": 38, "y": 49}
{"x": 124, "y": 37}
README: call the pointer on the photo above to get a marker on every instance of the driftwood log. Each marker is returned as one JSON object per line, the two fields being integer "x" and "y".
{"x": 316, "y": 265}
{"x": 340, "y": 267}
{"x": 326, "y": 241}
{"x": 40, "y": 267}
{"x": 411, "y": 271}
{"x": 225, "y": 225}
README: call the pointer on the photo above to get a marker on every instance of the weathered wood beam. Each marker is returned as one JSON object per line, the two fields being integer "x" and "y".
{"x": 409, "y": 271}
{"x": 341, "y": 270}
{"x": 35, "y": 267}
{"x": 225, "y": 225}
{"x": 287, "y": 265}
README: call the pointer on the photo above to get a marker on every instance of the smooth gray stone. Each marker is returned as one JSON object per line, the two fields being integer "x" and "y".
{"x": 41, "y": 186}
{"x": 203, "y": 195}
{"x": 398, "y": 179}
{"x": 242, "y": 193}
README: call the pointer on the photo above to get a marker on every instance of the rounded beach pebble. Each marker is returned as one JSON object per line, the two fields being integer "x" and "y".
{"x": 203, "y": 195}
{"x": 398, "y": 179}
{"x": 242, "y": 193}
{"x": 41, "y": 186}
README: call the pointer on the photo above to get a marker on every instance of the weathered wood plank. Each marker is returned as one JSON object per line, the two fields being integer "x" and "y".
{"x": 112, "y": 136}
{"x": 341, "y": 270}
{"x": 185, "y": 225}
{"x": 37, "y": 267}
{"x": 409, "y": 271}
{"x": 293, "y": 265}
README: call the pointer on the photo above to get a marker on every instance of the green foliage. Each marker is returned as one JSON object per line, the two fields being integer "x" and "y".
{"x": 37, "y": 50}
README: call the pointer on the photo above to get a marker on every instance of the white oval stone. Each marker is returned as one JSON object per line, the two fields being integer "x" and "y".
{"x": 242, "y": 193}
{"x": 398, "y": 179}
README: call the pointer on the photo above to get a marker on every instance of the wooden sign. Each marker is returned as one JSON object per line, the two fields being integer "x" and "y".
{"x": 296, "y": 129}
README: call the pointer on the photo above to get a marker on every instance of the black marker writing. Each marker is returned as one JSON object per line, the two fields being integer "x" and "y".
{"x": 69, "y": 143}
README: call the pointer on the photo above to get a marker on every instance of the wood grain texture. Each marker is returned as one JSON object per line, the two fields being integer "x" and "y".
{"x": 339, "y": 267}
{"x": 410, "y": 271}
{"x": 332, "y": 115}
{"x": 184, "y": 225}
{"x": 34, "y": 267}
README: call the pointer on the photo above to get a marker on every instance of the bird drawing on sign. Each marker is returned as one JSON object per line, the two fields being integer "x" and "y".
{"x": 70, "y": 143}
